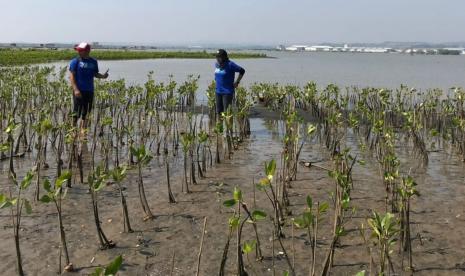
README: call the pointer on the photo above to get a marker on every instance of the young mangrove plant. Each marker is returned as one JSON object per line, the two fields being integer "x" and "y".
{"x": 266, "y": 184}
{"x": 187, "y": 141}
{"x": 219, "y": 129}
{"x": 143, "y": 159}
{"x": 310, "y": 220}
{"x": 384, "y": 229}
{"x": 119, "y": 174}
{"x": 342, "y": 174}
{"x": 97, "y": 181}
{"x": 111, "y": 269}
{"x": 406, "y": 192}
{"x": 251, "y": 217}
{"x": 55, "y": 194}
{"x": 278, "y": 218}
{"x": 42, "y": 128}
{"x": 17, "y": 204}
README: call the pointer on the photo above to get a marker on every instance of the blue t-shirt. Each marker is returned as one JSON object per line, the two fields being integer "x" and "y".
{"x": 84, "y": 71}
{"x": 224, "y": 77}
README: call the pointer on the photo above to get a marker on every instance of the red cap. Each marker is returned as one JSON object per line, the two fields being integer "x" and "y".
{"x": 83, "y": 46}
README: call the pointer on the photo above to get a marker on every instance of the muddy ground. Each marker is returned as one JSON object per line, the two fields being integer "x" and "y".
{"x": 438, "y": 217}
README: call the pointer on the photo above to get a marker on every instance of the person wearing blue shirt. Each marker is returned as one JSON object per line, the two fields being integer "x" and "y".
{"x": 83, "y": 69}
{"x": 225, "y": 73}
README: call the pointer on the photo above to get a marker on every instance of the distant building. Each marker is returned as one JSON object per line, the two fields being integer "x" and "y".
{"x": 319, "y": 48}
{"x": 296, "y": 48}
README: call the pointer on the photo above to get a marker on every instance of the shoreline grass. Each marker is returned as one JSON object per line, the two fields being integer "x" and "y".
{"x": 14, "y": 57}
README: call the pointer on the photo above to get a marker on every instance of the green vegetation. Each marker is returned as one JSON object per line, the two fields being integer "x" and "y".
{"x": 146, "y": 127}
{"x": 12, "y": 57}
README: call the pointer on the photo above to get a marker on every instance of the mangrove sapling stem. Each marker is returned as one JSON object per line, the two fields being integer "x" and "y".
{"x": 201, "y": 246}
{"x": 240, "y": 260}
{"x": 272, "y": 252}
{"x": 292, "y": 243}
{"x": 369, "y": 250}
{"x": 172, "y": 263}
{"x": 55, "y": 194}
{"x": 118, "y": 175}
{"x": 224, "y": 257}
{"x": 16, "y": 207}
{"x": 96, "y": 182}
{"x": 253, "y": 217}
{"x": 171, "y": 197}
{"x": 286, "y": 256}
{"x": 143, "y": 158}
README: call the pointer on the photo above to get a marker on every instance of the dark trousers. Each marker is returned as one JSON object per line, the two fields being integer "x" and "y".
{"x": 82, "y": 105}
{"x": 223, "y": 102}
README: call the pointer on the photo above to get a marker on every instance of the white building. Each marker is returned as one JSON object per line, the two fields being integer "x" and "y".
{"x": 296, "y": 48}
{"x": 319, "y": 48}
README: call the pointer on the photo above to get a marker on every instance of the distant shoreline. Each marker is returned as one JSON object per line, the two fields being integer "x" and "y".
{"x": 15, "y": 57}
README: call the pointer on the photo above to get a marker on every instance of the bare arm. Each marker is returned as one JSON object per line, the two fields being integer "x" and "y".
{"x": 239, "y": 78}
{"x": 72, "y": 79}
{"x": 101, "y": 76}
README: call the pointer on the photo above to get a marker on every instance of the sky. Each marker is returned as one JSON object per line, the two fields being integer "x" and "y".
{"x": 263, "y": 22}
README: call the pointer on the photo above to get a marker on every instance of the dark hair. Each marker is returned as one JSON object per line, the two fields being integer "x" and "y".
{"x": 221, "y": 53}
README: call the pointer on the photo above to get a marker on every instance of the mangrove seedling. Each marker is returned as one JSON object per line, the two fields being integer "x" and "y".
{"x": 384, "y": 230}
{"x": 253, "y": 217}
{"x": 143, "y": 159}
{"x": 119, "y": 174}
{"x": 97, "y": 181}
{"x": 111, "y": 269}
{"x": 310, "y": 220}
{"x": 55, "y": 194}
{"x": 16, "y": 205}
{"x": 406, "y": 192}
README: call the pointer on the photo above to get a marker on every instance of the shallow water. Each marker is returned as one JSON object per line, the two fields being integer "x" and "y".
{"x": 344, "y": 69}
{"x": 437, "y": 214}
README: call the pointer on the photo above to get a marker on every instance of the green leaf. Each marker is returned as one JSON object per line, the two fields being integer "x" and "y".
{"x": 4, "y": 201}
{"x": 258, "y": 215}
{"x": 3, "y": 198}
{"x": 97, "y": 272}
{"x": 270, "y": 168}
{"x": 134, "y": 151}
{"x": 27, "y": 180}
{"x": 65, "y": 192}
{"x": 237, "y": 195}
{"x": 248, "y": 246}
{"x": 45, "y": 199}
{"x": 65, "y": 176}
{"x": 308, "y": 218}
{"x": 323, "y": 207}
{"x": 114, "y": 266}
{"x": 311, "y": 129}
{"x": 28, "y": 206}
{"x": 361, "y": 273}
{"x": 233, "y": 222}
{"x": 309, "y": 202}
{"x": 47, "y": 186}
{"x": 99, "y": 186}
{"x": 229, "y": 203}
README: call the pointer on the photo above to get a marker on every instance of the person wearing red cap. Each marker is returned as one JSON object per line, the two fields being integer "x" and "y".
{"x": 83, "y": 69}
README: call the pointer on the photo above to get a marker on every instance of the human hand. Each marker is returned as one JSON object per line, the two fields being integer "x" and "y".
{"x": 236, "y": 84}
{"x": 77, "y": 93}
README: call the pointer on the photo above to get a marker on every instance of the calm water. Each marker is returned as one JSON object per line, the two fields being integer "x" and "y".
{"x": 344, "y": 69}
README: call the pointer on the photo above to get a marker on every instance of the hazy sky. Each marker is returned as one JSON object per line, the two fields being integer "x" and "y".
{"x": 232, "y": 21}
